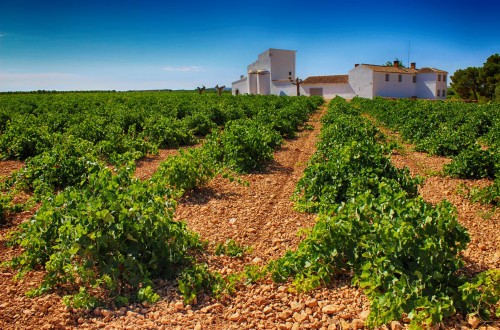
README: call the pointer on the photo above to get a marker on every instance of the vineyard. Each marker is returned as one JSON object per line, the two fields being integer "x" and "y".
{"x": 155, "y": 252}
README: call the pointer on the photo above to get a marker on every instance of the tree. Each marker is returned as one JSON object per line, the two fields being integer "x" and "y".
{"x": 201, "y": 89}
{"x": 466, "y": 82}
{"x": 490, "y": 76}
{"x": 297, "y": 83}
{"x": 400, "y": 63}
{"x": 219, "y": 89}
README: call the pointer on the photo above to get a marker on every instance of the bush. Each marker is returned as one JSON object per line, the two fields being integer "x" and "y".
{"x": 24, "y": 137}
{"x": 109, "y": 237}
{"x": 63, "y": 165}
{"x": 167, "y": 132}
{"x": 472, "y": 163}
{"x": 244, "y": 145}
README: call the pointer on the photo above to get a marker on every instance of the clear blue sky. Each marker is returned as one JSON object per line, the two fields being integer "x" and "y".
{"x": 144, "y": 44}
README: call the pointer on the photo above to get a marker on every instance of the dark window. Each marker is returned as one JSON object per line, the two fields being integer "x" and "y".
{"x": 290, "y": 73}
{"x": 444, "y": 78}
{"x": 439, "y": 92}
{"x": 386, "y": 77}
{"x": 400, "y": 77}
{"x": 444, "y": 92}
{"x": 439, "y": 77}
{"x": 414, "y": 79}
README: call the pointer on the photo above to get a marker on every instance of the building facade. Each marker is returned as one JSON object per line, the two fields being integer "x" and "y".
{"x": 274, "y": 73}
{"x": 369, "y": 80}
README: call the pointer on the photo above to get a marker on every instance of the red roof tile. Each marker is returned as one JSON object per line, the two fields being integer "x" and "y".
{"x": 338, "y": 79}
{"x": 390, "y": 69}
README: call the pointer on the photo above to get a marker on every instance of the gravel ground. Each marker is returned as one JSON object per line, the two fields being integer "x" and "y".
{"x": 260, "y": 216}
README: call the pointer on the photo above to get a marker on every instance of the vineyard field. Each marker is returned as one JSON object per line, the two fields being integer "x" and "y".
{"x": 263, "y": 213}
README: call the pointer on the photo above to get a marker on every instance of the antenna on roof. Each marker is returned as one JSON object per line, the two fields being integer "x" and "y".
{"x": 408, "y": 54}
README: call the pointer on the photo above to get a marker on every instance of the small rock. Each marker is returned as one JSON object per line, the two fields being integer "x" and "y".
{"x": 329, "y": 309}
{"x": 232, "y": 221}
{"x": 345, "y": 316}
{"x": 234, "y": 317}
{"x": 357, "y": 324}
{"x": 482, "y": 247}
{"x": 395, "y": 325}
{"x": 473, "y": 321}
{"x": 105, "y": 312}
{"x": 296, "y": 306}
{"x": 311, "y": 303}
{"x": 198, "y": 326}
{"x": 261, "y": 301}
{"x": 257, "y": 260}
{"x": 282, "y": 296}
{"x": 364, "y": 315}
{"x": 285, "y": 315}
{"x": 295, "y": 326}
{"x": 299, "y": 317}
{"x": 267, "y": 310}
{"x": 179, "y": 305}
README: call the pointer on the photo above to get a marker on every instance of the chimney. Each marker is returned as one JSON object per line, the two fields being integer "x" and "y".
{"x": 396, "y": 64}
{"x": 413, "y": 65}
{"x": 356, "y": 65}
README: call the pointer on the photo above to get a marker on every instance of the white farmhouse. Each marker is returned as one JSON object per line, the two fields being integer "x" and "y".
{"x": 274, "y": 73}
{"x": 369, "y": 80}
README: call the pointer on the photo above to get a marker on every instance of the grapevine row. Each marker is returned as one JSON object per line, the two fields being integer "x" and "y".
{"x": 403, "y": 251}
{"x": 469, "y": 133}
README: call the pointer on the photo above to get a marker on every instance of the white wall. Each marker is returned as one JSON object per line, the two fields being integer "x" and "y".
{"x": 264, "y": 83}
{"x": 331, "y": 90}
{"x": 426, "y": 85}
{"x": 240, "y": 85}
{"x": 283, "y": 88}
{"x": 441, "y": 85}
{"x": 252, "y": 83}
{"x": 282, "y": 63}
{"x": 361, "y": 81}
{"x": 393, "y": 88}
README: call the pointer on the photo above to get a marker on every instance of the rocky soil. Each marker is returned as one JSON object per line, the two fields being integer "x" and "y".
{"x": 260, "y": 216}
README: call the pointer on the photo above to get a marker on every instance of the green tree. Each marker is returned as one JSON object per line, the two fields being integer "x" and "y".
{"x": 490, "y": 76}
{"x": 400, "y": 65}
{"x": 466, "y": 82}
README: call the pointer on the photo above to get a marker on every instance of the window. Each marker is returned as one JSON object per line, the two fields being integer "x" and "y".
{"x": 414, "y": 79}
{"x": 400, "y": 77}
{"x": 290, "y": 73}
{"x": 444, "y": 92}
{"x": 439, "y": 93}
{"x": 386, "y": 77}
{"x": 439, "y": 77}
{"x": 444, "y": 78}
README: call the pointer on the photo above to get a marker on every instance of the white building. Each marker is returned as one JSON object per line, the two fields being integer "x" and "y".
{"x": 274, "y": 73}
{"x": 328, "y": 86}
{"x": 368, "y": 80}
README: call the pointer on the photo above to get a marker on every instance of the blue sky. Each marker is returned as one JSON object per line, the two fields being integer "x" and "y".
{"x": 133, "y": 44}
